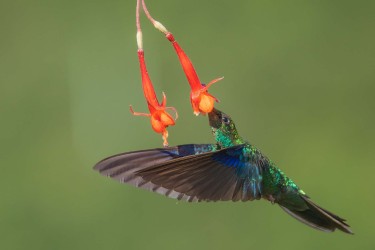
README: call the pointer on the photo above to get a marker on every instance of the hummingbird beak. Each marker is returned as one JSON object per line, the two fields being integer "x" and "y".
{"x": 214, "y": 118}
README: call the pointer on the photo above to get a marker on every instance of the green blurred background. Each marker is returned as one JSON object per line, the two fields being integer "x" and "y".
{"x": 299, "y": 82}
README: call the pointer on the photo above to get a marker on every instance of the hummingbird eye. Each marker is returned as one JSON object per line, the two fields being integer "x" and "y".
{"x": 225, "y": 120}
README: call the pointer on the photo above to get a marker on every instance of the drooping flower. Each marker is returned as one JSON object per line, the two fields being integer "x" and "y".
{"x": 159, "y": 117}
{"x": 201, "y": 100}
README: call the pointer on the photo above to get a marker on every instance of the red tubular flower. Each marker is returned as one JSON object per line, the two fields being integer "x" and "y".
{"x": 159, "y": 117}
{"x": 201, "y": 100}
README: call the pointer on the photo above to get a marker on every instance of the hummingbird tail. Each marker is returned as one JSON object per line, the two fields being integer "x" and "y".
{"x": 317, "y": 217}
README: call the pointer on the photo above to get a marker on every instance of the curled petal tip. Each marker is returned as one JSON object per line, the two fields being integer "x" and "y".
{"x": 164, "y": 101}
{"x": 175, "y": 112}
{"x": 212, "y": 82}
{"x": 137, "y": 113}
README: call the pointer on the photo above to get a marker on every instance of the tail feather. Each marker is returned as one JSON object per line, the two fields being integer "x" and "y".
{"x": 318, "y": 218}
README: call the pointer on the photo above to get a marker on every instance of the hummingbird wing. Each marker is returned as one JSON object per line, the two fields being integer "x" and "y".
{"x": 122, "y": 167}
{"x": 188, "y": 172}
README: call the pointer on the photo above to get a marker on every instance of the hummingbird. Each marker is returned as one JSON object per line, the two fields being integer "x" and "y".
{"x": 231, "y": 169}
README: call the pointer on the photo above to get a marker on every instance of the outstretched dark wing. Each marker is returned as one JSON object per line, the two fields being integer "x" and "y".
{"x": 122, "y": 167}
{"x": 188, "y": 172}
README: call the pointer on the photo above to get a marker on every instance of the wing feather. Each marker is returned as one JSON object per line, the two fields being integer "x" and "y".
{"x": 188, "y": 172}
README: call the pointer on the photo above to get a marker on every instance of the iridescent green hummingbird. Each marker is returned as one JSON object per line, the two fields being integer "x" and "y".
{"x": 231, "y": 169}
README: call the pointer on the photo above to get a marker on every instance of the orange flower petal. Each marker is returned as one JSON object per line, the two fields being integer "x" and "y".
{"x": 157, "y": 125}
{"x": 206, "y": 103}
{"x": 166, "y": 119}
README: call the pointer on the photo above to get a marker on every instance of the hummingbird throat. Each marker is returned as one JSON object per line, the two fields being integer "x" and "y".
{"x": 226, "y": 139}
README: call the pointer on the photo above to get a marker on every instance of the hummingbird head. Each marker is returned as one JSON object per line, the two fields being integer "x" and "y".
{"x": 217, "y": 119}
{"x": 223, "y": 129}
